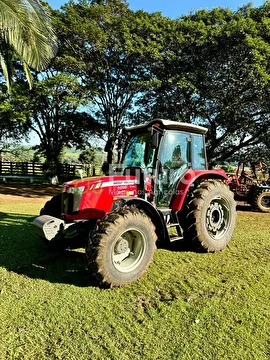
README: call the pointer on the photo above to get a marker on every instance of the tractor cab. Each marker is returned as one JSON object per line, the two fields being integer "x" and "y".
{"x": 160, "y": 153}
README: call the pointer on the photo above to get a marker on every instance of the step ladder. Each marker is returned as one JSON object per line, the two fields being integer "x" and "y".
{"x": 171, "y": 222}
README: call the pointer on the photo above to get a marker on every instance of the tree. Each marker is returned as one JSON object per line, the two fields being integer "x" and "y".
{"x": 111, "y": 49}
{"x": 25, "y": 30}
{"x": 11, "y": 124}
{"x": 215, "y": 72}
{"x": 87, "y": 156}
{"x": 116, "y": 66}
{"x": 53, "y": 110}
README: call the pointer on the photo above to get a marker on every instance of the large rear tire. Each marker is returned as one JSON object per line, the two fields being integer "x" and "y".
{"x": 122, "y": 248}
{"x": 211, "y": 217}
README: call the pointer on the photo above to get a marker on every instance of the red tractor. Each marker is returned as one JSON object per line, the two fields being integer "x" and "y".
{"x": 162, "y": 191}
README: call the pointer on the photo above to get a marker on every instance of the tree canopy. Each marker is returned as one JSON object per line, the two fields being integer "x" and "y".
{"x": 25, "y": 31}
{"x": 110, "y": 48}
{"x": 53, "y": 111}
{"x": 215, "y": 72}
{"x": 116, "y": 66}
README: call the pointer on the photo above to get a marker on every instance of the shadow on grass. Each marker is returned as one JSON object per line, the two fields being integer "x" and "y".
{"x": 179, "y": 245}
{"x": 23, "y": 251}
{"x": 244, "y": 207}
{"x": 30, "y": 190}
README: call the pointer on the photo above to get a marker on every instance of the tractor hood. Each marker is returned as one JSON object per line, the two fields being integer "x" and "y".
{"x": 93, "y": 197}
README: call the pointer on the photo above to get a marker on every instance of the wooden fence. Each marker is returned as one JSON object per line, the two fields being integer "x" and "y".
{"x": 34, "y": 169}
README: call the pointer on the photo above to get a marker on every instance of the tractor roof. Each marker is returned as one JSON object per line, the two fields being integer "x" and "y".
{"x": 168, "y": 125}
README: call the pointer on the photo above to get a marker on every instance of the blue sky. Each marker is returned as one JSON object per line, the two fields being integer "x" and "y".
{"x": 174, "y": 8}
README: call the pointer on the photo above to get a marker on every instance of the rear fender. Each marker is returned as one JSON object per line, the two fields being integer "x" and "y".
{"x": 188, "y": 180}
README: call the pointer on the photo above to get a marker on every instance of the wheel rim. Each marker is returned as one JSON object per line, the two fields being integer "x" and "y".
{"x": 128, "y": 251}
{"x": 265, "y": 201}
{"x": 218, "y": 218}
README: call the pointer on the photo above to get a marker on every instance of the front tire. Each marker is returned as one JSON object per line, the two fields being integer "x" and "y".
{"x": 211, "y": 217}
{"x": 262, "y": 201}
{"x": 122, "y": 248}
{"x": 53, "y": 207}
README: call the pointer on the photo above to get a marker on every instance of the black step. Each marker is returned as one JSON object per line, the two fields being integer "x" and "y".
{"x": 172, "y": 225}
{"x": 170, "y": 218}
{"x": 176, "y": 238}
{"x": 165, "y": 211}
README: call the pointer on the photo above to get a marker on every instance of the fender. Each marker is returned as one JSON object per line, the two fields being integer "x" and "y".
{"x": 150, "y": 210}
{"x": 188, "y": 180}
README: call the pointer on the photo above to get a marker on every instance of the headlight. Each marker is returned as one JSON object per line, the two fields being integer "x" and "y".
{"x": 76, "y": 190}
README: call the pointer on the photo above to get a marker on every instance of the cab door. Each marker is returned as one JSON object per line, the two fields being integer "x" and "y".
{"x": 173, "y": 161}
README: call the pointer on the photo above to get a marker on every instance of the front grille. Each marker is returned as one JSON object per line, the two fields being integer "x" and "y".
{"x": 71, "y": 202}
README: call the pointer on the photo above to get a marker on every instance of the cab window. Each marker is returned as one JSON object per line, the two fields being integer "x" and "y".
{"x": 198, "y": 153}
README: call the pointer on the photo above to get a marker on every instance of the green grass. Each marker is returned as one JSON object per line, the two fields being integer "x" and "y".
{"x": 187, "y": 306}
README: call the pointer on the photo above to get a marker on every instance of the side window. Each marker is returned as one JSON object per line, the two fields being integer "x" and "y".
{"x": 174, "y": 151}
{"x": 139, "y": 152}
{"x": 134, "y": 156}
{"x": 198, "y": 152}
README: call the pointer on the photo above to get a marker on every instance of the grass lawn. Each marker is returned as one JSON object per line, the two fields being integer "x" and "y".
{"x": 187, "y": 306}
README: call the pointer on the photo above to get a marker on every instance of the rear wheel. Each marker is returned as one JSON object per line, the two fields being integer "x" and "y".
{"x": 122, "y": 247}
{"x": 261, "y": 201}
{"x": 211, "y": 217}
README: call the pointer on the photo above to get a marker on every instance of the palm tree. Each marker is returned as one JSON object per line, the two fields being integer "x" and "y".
{"x": 25, "y": 29}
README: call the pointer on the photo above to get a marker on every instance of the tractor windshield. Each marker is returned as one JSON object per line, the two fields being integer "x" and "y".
{"x": 139, "y": 152}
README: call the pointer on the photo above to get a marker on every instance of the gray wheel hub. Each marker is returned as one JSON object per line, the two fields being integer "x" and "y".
{"x": 266, "y": 201}
{"x": 121, "y": 246}
{"x": 215, "y": 217}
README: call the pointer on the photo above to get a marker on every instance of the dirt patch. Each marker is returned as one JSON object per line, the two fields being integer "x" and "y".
{"x": 33, "y": 192}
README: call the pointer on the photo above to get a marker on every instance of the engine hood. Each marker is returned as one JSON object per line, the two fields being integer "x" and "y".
{"x": 93, "y": 197}
{"x": 115, "y": 182}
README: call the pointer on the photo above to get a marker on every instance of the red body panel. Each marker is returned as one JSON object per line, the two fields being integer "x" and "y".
{"x": 188, "y": 178}
{"x": 99, "y": 193}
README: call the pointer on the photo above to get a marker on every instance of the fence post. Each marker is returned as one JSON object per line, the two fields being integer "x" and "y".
{"x": 25, "y": 169}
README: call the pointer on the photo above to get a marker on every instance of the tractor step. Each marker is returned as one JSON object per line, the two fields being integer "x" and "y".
{"x": 171, "y": 221}
{"x": 172, "y": 225}
{"x": 178, "y": 230}
{"x": 165, "y": 211}
{"x": 176, "y": 238}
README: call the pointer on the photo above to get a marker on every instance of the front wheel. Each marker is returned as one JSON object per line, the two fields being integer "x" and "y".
{"x": 53, "y": 206}
{"x": 122, "y": 247}
{"x": 211, "y": 216}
